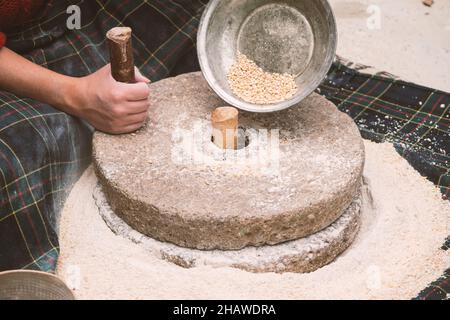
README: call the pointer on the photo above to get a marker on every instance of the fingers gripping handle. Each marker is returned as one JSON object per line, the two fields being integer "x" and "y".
{"x": 121, "y": 54}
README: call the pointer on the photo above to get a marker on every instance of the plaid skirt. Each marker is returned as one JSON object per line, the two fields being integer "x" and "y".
{"x": 43, "y": 151}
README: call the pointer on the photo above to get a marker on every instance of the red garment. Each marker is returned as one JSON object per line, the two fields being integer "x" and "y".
{"x": 2, "y": 40}
{"x": 15, "y": 13}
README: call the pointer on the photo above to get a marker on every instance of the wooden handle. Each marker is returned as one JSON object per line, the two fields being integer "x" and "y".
{"x": 224, "y": 122}
{"x": 121, "y": 54}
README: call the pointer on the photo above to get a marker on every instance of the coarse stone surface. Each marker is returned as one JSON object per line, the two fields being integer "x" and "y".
{"x": 301, "y": 169}
{"x": 300, "y": 256}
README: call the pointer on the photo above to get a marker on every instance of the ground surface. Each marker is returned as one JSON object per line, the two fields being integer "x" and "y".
{"x": 413, "y": 40}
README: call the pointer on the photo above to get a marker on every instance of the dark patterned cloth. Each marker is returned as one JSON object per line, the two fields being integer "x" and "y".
{"x": 438, "y": 290}
{"x": 43, "y": 151}
{"x": 414, "y": 118}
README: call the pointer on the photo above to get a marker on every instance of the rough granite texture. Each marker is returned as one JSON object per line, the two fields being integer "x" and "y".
{"x": 178, "y": 187}
{"x": 300, "y": 256}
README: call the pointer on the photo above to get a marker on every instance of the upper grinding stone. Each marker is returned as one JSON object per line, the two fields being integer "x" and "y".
{"x": 169, "y": 181}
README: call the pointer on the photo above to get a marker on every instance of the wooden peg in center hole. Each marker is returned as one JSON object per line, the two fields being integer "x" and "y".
{"x": 225, "y": 127}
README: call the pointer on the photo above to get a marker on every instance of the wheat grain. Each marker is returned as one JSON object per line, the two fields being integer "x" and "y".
{"x": 252, "y": 84}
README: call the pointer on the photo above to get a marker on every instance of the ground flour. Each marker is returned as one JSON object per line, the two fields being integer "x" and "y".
{"x": 395, "y": 255}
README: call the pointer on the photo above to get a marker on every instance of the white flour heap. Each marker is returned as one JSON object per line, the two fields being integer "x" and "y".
{"x": 395, "y": 255}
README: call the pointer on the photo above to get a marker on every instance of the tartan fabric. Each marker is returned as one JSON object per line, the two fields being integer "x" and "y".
{"x": 42, "y": 151}
{"x": 414, "y": 118}
{"x": 438, "y": 290}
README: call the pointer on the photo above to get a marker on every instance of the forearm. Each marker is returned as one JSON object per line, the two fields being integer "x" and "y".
{"x": 24, "y": 78}
{"x": 106, "y": 104}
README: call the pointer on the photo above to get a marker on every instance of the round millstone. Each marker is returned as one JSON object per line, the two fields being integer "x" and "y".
{"x": 301, "y": 256}
{"x": 299, "y": 172}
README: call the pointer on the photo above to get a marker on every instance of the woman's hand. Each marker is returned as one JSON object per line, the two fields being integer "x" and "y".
{"x": 108, "y": 105}
{"x": 111, "y": 106}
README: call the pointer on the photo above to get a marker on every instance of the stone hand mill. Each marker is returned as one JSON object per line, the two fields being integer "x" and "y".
{"x": 281, "y": 193}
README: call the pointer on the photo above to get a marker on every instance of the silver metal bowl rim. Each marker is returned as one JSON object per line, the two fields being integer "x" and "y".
{"x": 207, "y": 73}
{"x": 56, "y": 279}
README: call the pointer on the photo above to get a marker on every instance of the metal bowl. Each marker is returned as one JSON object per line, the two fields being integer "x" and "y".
{"x": 32, "y": 285}
{"x": 286, "y": 36}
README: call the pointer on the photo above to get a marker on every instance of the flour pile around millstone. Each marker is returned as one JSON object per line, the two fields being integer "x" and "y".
{"x": 395, "y": 255}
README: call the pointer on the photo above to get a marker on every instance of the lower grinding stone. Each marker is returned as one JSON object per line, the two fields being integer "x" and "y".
{"x": 301, "y": 256}
{"x": 301, "y": 169}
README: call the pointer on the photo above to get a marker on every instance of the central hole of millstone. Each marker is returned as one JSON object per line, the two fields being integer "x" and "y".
{"x": 243, "y": 138}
